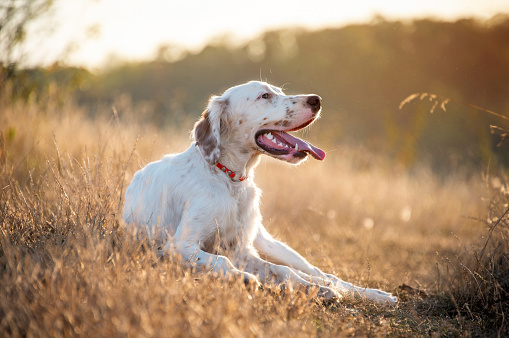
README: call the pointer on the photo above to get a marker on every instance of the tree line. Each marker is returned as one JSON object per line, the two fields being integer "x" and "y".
{"x": 453, "y": 74}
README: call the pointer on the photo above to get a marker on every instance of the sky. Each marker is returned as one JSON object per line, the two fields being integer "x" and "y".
{"x": 94, "y": 33}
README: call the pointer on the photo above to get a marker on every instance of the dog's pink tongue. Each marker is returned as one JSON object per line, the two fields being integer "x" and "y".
{"x": 305, "y": 146}
{"x": 317, "y": 153}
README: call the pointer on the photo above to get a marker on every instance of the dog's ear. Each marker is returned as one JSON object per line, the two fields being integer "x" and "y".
{"x": 207, "y": 131}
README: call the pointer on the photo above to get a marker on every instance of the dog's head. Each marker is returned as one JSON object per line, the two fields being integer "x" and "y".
{"x": 255, "y": 118}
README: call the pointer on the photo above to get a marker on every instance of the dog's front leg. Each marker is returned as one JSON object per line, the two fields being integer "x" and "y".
{"x": 193, "y": 256}
{"x": 346, "y": 288}
{"x": 375, "y": 295}
{"x": 279, "y": 253}
{"x": 279, "y": 274}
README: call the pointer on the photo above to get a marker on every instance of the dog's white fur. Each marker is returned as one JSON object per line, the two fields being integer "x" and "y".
{"x": 194, "y": 209}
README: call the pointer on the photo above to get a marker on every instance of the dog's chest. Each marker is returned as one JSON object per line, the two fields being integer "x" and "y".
{"x": 238, "y": 226}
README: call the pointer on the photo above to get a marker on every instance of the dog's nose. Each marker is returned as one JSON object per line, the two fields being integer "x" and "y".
{"x": 314, "y": 102}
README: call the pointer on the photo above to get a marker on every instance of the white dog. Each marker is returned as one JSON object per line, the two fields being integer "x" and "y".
{"x": 204, "y": 202}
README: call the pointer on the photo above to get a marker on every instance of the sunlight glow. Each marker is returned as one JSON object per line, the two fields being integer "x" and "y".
{"x": 133, "y": 30}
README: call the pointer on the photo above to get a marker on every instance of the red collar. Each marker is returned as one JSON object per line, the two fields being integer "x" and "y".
{"x": 230, "y": 173}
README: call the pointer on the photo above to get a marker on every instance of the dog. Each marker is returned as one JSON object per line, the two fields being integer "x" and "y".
{"x": 203, "y": 203}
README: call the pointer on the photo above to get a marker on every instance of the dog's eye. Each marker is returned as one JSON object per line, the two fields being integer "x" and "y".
{"x": 266, "y": 96}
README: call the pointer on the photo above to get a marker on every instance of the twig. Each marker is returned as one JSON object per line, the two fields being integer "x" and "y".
{"x": 487, "y": 111}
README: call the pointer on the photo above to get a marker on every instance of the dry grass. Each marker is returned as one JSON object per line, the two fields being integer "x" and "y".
{"x": 67, "y": 269}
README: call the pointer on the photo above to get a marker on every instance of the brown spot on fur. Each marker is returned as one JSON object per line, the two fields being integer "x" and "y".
{"x": 284, "y": 123}
{"x": 289, "y": 112}
{"x": 240, "y": 122}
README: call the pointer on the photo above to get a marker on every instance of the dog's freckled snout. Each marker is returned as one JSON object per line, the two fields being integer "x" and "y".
{"x": 314, "y": 101}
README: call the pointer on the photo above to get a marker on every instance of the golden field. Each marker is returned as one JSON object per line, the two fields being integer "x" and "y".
{"x": 67, "y": 269}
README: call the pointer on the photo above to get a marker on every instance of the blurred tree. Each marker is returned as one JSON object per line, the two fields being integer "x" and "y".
{"x": 15, "y": 15}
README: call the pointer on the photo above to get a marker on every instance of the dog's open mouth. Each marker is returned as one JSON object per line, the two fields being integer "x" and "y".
{"x": 279, "y": 142}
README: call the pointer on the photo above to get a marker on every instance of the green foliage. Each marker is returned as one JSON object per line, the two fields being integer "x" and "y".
{"x": 39, "y": 84}
{"x": 11, "y": 132}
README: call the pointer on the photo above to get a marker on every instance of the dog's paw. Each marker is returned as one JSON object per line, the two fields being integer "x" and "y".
{"x": 251, "y": 281}
{"x": 328, "y": 294}
{"x": 381, "y": 297}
